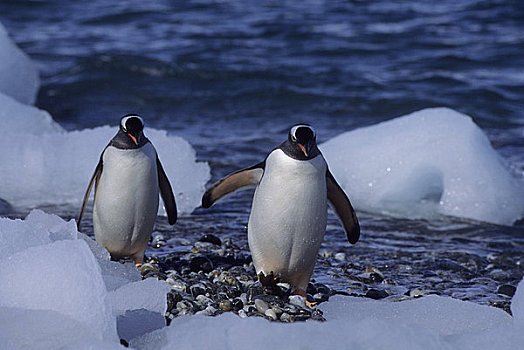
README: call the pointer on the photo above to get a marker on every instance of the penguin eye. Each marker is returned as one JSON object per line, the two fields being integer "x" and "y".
{"x": 302, "y": 132}
{"x": 131, "y": 121}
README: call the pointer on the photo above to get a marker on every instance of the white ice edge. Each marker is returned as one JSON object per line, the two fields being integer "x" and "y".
{"x": 44, "y": 164}
{"x": 59, "y": 292}
{"x": 432, "y": 162}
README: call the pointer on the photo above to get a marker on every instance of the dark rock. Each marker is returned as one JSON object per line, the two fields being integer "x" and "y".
{"x": 209, "y": 238}
{"x": 271, "y": 299}
{"x": 320, "y": 297}
{"x": 323, "y": 289}
{"x": 317, "y": 315}
{"x": 228, "y": 291}
{"x": 375, "y": 277}
{"x": 507, "y": 289}
{"x": 158, "y": 241}
{"x": 237, "y": 304}
{"x": 311, "y": 289}
{"x": 253, "y": 291}
{"x": 376, "y": 294}
{"x": 172, "y": 299}
{"x": 499, "y": 275}
{"x": 201, "y": 263}
{"x": 197, "y": 289}
{"x": 447, "y": 264}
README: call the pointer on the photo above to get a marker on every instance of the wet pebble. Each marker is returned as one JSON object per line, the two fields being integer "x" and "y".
{"x": 320, "y": 297}
{"x": 499, "y": 275}
{"x": 197, "y": 289}
{"x": 225, "y": 305}
{"x": 376, "y": 294}
{"x": 417, "y": 293}
{"x": 209, "y": 238}
{"x": 219, "y": 279}
{"x": 253, "y": 291}
{"x": 184, "y": 306}
{"x": 228, "y": 278}
{"x": 201, "y": 263}
{"x": 158, "y": 241}
{"x": 285, "y": 317}
{"x": 261, "y": 305}
{"x": 340, "y": 257}
{"x": 203, "y": 300}
{"x": 208, "y": 311}
{"x": 507, "y": 289}
{"x": 297, "y": 300}
{"x": 271, "y": 314}
{"x": 176, "y": 285}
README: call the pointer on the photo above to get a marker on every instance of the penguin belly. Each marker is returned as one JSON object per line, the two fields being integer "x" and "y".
{"x": 288, "y": 217}
{"x": 126, "y": 201}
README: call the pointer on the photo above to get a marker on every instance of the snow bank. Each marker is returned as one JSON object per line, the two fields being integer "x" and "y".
{"x": 434, "y": 161}
{"x": 352, "y": 323}
{"x": 18, "y": 75}
{"x": 44, "y": 164}
{"x": 59, "y": 289}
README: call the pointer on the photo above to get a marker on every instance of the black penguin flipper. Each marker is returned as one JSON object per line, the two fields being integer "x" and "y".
{"x": 94, "y": 179}
{"x": 166, "y": 192}
{"x": 343, "y": 208}
{"x": 240, "y": 179}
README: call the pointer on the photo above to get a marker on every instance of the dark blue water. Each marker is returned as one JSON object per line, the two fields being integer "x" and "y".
{"x": 232, "y": 76}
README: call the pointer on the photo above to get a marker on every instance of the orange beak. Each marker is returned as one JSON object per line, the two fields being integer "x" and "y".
{"x": 133, "y": 138}
{"x": 303, "y": 149}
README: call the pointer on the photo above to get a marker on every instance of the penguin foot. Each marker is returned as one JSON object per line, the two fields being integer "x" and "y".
{"x": 309, "y": 304}
{"x": 270, "y": 280}
{"x": 140, "y": 263}
{"x": 147, "y": 268}
{"x": 139, "y": 259}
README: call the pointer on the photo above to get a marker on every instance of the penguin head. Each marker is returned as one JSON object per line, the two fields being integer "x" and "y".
{"x": 302, "y": 142}
{"x": 132, "y": 126}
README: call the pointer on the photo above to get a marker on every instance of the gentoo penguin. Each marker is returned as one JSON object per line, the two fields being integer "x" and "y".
{"x": 288, "y": 215}
{"x": 127, "y": 181}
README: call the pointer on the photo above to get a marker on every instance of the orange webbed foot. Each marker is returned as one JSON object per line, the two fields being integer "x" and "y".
{"x": 309, "y": 304}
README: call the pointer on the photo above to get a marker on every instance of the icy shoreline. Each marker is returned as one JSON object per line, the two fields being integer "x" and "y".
{"x": 60, "y": 290}
{"x": 54, "y": 276}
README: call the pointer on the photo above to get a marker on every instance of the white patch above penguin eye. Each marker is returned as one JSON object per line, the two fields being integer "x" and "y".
{"x": 123, "y": 121}
{"x": 294, "y": 129}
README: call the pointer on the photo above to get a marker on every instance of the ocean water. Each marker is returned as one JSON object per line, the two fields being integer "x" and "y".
{"x": 231, "y": 77}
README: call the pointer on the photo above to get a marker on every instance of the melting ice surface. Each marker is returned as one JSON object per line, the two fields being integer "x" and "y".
{"x": 434, "y": 161}
{"x": 44, "y": 164}
{"x": 60, "y": 290}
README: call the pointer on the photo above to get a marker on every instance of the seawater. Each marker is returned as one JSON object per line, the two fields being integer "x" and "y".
{"x": 231, "y": 77}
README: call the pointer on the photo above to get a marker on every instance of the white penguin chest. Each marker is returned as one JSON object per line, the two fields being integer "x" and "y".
{"x": 129, "y": 174}
{"x": 289, "y": 207}
{"x": 126, "y": 198}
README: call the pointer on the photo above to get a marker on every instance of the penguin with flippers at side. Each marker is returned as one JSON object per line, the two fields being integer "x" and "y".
{"x": 288, "y": 216}
{"x": 127, "y": 181}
